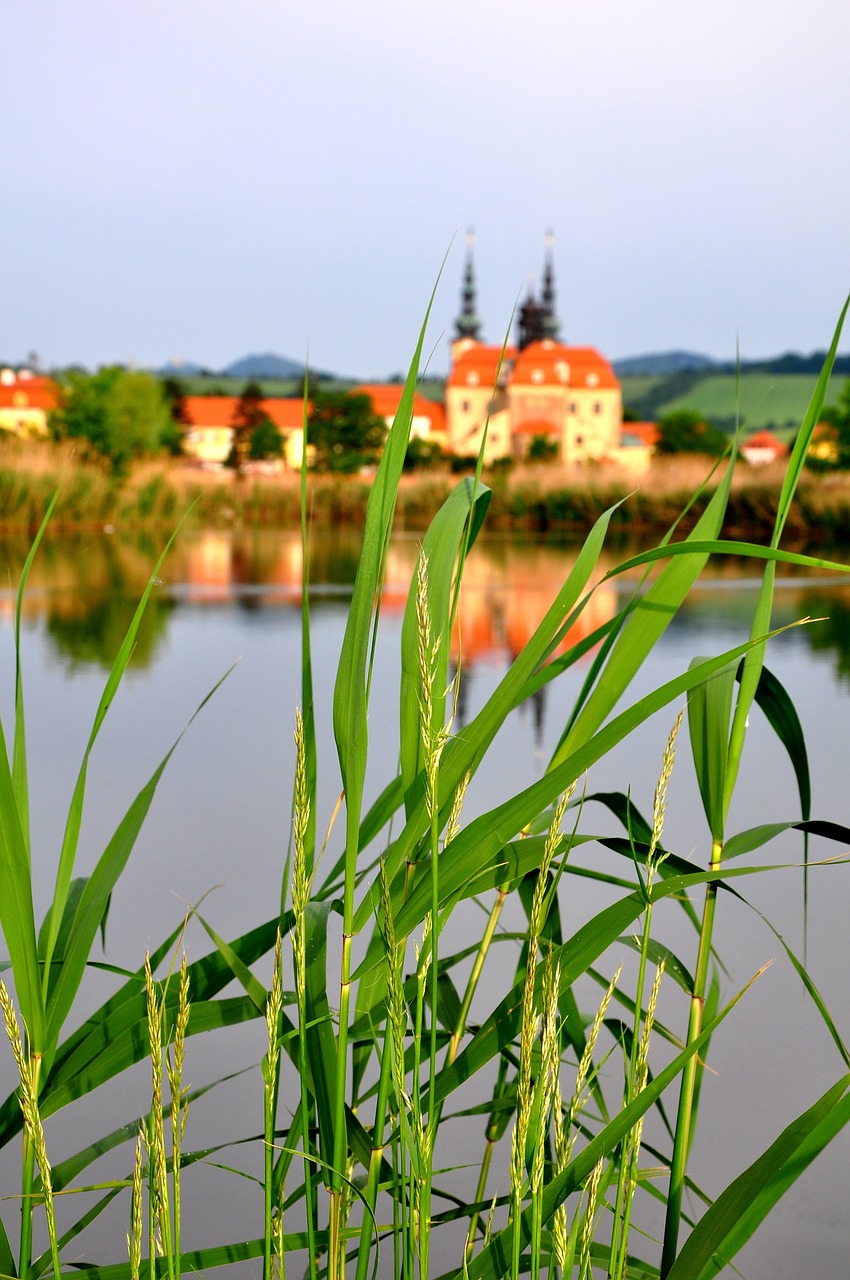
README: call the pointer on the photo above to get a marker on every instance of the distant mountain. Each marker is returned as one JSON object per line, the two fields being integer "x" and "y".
{"x": 264, "y": 366}
{"x": 662, "y": 363}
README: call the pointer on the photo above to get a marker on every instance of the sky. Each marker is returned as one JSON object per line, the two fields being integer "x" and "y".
{"x": 200, "y": 179}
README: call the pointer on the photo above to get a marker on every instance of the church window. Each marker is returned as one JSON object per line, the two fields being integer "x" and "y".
{"x": 597, "y": 406}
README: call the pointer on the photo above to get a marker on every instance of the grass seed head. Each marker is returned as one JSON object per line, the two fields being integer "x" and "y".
{"x": 659, "y": 806}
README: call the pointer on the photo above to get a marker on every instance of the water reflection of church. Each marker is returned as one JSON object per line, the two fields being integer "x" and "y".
{"x": 537, "y": 397}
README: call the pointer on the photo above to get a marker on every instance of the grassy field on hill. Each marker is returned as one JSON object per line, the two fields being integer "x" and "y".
{"x": 766, "y": 400}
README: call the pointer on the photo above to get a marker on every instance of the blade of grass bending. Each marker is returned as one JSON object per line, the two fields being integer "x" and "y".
{"x": 611, "y": 630}
{"x": 740, "y": 1204}
{"x": 782, "y": 717}
{"x": 755, "y": 837}
{"x": 97, "y": 891}
{"x": 19, "y": 749}
{"x": 16, "y": 911}
{"x": 770, "y": 1193}
{"x": 709, "y": 714}
{"x": 647, "y": 621}
{"x": 71, "y": 837}
{"x": 252, "y": 986}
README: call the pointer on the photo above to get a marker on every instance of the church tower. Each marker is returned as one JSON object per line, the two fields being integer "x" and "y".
{"x": 551, "y": 323}
{"x": 538, "y": 321}
{"x": 468, "y": 324}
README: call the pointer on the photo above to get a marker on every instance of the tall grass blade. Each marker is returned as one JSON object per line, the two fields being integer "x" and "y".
{"x": 709, "y": 714}
{"x": 648, "y": 620}
{"x": 71, "y": 837}
{"x": 451, "y": 532}
{"x": 96, "y": 894}
{"x": 740, "y": 1204}
{"x": 767, "y": 1194}
{"x": 19, "y": 750}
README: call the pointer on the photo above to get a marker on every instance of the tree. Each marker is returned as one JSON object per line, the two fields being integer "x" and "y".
{"x": 247, "y": 416}
{"x": 684, "y": 431}
{"x": 422, "y": 455}
{"x": 120, "y": 414}
{"x": 266, "y": 441}
{"x": 345, "y": 432}
{"x": 137, "y": 416}
{"x": 542, "y": 449}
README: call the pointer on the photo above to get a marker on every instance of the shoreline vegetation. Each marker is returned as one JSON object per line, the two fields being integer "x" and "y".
{"x": 526, "y": 499}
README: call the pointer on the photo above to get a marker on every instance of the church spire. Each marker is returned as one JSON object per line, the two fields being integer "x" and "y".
{"x": 551, "y": 323}
{"x": 468, "y": 324}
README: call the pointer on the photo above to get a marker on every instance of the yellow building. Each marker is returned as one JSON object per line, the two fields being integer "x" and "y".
{"x": 541, "y": 389}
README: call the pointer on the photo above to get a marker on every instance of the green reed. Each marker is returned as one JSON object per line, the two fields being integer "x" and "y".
{"x": 366, "y": 1070}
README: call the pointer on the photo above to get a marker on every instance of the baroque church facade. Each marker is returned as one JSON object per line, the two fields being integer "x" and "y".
{"x": 539, "y": 389}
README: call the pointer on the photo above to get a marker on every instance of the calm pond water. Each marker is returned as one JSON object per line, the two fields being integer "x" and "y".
{"x": 220, "y": 821}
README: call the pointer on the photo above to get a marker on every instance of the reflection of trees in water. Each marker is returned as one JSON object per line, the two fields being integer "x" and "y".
{"x": 88, "y": 587}
{"x": 832, "y": 635}
{"x": 95, "y": 635}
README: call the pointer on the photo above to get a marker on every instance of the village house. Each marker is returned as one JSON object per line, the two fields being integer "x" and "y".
{"x": 208, "y": 434}
{"x": 429, "y": 418}
{"x": 26, "y": 399}
{"x": 763, "y": 447}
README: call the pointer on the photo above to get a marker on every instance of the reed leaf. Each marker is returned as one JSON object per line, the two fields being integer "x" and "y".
{"x": 739, "y": 1209}
{"x": 67, "y": 857}
{"x": 650, "y": 617}
{"x": 767, "y": 1192}
{"x": 709, "y": 716}
{"x": 452, "y": 532}
{"x": 95, "y": 897}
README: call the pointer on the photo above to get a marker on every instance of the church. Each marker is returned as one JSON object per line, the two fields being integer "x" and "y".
{"x": 566, "y": 398}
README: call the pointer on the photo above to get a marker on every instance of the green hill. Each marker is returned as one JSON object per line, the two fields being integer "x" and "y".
{"x": 764, "y": 399}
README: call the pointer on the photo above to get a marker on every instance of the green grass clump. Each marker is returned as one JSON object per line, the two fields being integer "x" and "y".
{"x": 369, "y": 1056}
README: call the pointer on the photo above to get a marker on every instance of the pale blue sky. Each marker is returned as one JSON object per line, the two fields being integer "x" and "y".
{"x": 205, "y": 178}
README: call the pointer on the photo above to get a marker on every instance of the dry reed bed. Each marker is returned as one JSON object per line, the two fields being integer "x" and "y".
{"x": 526, "y": 499}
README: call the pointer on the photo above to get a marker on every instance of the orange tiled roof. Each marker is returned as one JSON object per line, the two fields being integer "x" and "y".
{"x": 217, "y": 411}
{"x": 27, "y": 391}
{"x": 479, "y": 366}
{"x": 765, "y": 440}
{"x": 550, "y": 363}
